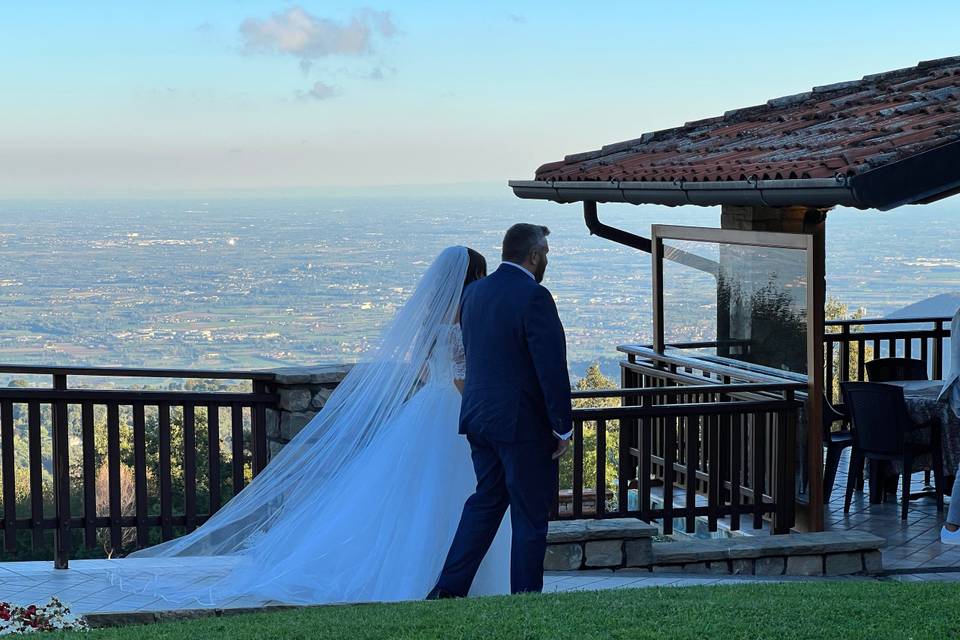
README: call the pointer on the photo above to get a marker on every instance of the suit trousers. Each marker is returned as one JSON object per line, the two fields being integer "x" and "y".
{"x": 523, "y": 476}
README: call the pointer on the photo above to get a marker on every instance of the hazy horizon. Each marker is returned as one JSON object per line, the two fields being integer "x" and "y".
{"x": 428, "y": 190}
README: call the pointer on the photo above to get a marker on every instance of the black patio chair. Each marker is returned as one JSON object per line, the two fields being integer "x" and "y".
{"x": 835, "y": 442}
{"x": 882, "y": 430}
{"x": 892, "y": 369}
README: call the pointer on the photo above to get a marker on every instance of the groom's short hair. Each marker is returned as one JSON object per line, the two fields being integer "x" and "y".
{"x": 521, "y": 239}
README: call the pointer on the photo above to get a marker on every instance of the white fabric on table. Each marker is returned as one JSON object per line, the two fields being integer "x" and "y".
{"x": 951, "y": 386}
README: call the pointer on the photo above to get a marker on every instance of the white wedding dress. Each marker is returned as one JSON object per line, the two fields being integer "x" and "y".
{"x": 363, "y": 504}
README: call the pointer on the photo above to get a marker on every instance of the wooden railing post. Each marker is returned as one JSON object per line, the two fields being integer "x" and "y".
{"x": 9, "y": 483}
{"x": 845, "y": 353}
{"x": 601, "y": 469}
{"x": 938, "y": 336}
{"x": 715, "y": 469}
{"x": 785, "y": 470}
{"x": 629, "y": 429}
{"x": 644, "y": 464}
{"x": 258, "y": 422}
{"x": 577, "y": 469}
{"x": 61, "y": 477}
{"x": 828, "y": 365}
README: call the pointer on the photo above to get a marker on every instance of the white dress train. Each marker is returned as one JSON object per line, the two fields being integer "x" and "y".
{"x": 382, "y": 532}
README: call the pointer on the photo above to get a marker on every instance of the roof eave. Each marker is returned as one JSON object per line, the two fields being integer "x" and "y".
{"x": 810, "y": 192}
{"x": 921, "y": 178}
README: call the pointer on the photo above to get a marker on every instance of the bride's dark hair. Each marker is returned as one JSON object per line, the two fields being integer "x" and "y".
{"x": 476, "y": 267}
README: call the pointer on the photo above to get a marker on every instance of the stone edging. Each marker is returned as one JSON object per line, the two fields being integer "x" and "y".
{"x": 622, "y": 543}
{"x": 120, "y": 619}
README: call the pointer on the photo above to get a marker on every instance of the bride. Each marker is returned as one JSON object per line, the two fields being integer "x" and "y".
{"x": 363, "y": 503}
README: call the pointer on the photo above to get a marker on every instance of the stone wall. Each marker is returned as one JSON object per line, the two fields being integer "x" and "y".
{"x": 303, "y": 391}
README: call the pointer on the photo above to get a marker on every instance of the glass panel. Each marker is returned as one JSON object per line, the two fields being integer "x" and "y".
{"x": 742, "y": 302}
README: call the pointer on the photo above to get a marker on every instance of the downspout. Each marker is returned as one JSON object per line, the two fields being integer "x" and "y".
{"x": 613, "y": 234}
{"x": 620, "y": 236}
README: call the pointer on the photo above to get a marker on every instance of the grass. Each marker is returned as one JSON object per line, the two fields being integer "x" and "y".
{"x": 782, "y": 611}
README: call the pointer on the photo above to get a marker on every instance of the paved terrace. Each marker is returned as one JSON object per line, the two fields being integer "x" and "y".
{"x": 912, "y": 544}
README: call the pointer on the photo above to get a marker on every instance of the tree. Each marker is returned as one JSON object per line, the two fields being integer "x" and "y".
{"x": 128, "y": 535}
{"x": 594, "y": 379}
{"x": 837, "y": 310}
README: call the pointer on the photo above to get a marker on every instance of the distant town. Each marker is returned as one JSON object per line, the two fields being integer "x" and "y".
{"x": 258, "y": 284}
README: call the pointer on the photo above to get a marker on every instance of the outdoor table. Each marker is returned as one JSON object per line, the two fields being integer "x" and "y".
{"x": 924, "y": 408}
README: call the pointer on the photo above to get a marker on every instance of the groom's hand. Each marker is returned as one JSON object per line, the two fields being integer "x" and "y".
{"x": 562, "y": 447}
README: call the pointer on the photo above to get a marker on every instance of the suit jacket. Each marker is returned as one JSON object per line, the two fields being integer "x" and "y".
{"x": 517, "y": 387}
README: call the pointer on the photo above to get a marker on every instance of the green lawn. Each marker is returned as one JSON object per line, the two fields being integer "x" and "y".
{"x": 792, "y": 610}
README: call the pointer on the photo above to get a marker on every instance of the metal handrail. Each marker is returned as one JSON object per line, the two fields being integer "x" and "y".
{"x": 126, "y": 372}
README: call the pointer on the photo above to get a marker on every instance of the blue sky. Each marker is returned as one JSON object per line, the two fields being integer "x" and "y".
{"x": 128, "y": 97}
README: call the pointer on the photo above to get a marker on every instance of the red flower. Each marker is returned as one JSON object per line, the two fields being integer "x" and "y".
{"x": 37, "y": 618}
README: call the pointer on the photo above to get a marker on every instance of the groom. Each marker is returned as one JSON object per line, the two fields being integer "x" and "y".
{"x": 515, "y": 413}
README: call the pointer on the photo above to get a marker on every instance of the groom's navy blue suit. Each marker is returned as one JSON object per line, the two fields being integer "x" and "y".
{"x": 516, "y": 402}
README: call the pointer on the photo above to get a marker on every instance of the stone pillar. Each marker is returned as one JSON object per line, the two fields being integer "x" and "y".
{"x": 303, "y": 391}
{"x": 782, "y": 219}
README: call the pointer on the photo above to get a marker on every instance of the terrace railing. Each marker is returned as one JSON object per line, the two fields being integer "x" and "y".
{"x": 89, "y": 432}
{"x": 850, "y": 344}
{"x": 690, "y": 445}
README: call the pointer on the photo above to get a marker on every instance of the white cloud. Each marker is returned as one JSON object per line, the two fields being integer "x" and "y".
{"x": 381, "y": 72}
{"x": 319, "y": 91}
{"x": 298, "y": 33}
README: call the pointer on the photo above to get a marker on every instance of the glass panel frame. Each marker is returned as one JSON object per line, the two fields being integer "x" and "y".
{"x": 812, "y": 244}
{"x": 756, "y": 292}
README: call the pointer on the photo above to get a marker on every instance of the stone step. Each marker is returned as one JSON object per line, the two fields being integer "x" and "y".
{"x": 831, "y": 553}
{"x": 742, "y": 547}
{"x": 589, "y": 530}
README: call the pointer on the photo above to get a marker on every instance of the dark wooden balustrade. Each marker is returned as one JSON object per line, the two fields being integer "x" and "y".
{"x": 693, "y": 444}
{"x": 850, "y": 344}
{"x": 160, "y": 510}
{"x": 701, "y": 446}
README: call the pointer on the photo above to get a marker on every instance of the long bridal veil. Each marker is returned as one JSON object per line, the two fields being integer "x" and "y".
{"x": 256, "y": 531}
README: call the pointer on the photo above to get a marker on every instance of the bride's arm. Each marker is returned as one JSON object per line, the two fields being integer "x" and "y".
{"x": 424, "y": 374}
{"x": 459, "y": 358}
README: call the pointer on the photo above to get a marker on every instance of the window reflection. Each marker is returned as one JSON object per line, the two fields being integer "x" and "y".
{"x": 742, "y": 302}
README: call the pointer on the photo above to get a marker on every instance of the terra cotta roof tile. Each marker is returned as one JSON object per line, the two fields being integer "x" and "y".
{"x": 841, "y": 129}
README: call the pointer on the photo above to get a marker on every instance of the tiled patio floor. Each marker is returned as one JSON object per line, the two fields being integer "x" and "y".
{"x": 913, "y": 552}
{"x": 85, "y": 587}
{"x": 912, "y": 544}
